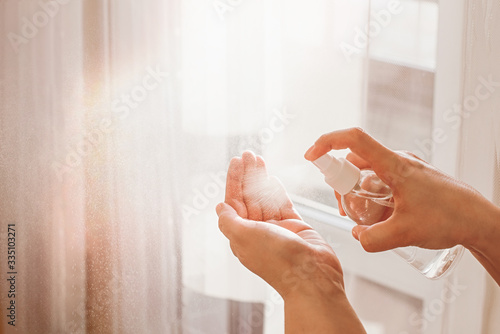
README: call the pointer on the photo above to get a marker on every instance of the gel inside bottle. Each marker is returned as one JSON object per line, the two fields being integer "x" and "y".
{"x": 368, "y": 200}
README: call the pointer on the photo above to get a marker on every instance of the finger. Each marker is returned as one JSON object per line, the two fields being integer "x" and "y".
{"x": 296, "y": 226}
{"x": 274, "y": 200}
{"x": 283, "y": 202}
{"x": 339, "y": 201}
{"x": 267, "y": 192}
{"x": 382, "y": 236}
{"x": 357, "y": 161}
{"x": 261, "y": 165}
{"x": 230, "y": 223}
{"x": 243, "y": 232}
{"x": 359, "y": 142}
{"x": 234, "y": 186}
{"x": 269, "y": 202}
{"x": 253, "y": 182}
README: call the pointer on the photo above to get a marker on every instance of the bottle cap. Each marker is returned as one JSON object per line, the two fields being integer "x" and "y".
{"x": 340, "y": 174}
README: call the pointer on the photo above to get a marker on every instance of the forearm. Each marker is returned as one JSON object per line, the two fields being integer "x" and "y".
{"x": 485, "y": 242}
{"x": 319, "y": 310}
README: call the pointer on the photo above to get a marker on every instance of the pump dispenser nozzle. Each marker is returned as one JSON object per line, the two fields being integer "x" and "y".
{"x": 340, "y": 174}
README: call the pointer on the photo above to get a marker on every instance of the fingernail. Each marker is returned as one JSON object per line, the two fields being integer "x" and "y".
{"x": 218, "y": 208}
{"x": 355, "y": 233}
{"x": 306, "y": 155}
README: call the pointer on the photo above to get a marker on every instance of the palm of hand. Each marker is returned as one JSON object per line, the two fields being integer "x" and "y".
{"x": 263, "y": 201}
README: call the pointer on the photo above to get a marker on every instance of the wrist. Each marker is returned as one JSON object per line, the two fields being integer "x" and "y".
{"x": 324, "y": 283}
{"x": 320, "y": 306}
{"x": 484, "y": 229}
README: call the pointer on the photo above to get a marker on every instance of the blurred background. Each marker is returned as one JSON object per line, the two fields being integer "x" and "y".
{"x": 118, "y": 120}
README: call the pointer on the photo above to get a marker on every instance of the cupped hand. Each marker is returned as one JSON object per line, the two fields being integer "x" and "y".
{"x": 267, "y": 234}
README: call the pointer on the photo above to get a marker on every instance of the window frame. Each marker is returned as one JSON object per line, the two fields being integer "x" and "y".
{"x": 448, "y": 90}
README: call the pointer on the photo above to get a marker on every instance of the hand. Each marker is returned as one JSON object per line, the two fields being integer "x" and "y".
{"x": 269, "y": 237}
{"x": 432, "y": 209}
{"x": 266, "y": 233}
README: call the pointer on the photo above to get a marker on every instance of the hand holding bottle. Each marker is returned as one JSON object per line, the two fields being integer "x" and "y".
{"x": 432, "y": 210}
{"x": 367, "y": 200}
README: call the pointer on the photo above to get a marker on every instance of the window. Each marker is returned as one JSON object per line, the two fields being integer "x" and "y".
{"x": 279, "y": 74}
{"x": 118, "y": 119}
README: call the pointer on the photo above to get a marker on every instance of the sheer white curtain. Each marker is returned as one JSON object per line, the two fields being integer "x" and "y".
{"x": 118, "y": 119}
{"x": 87, "y": 174}
{"x": 480, "y": 130}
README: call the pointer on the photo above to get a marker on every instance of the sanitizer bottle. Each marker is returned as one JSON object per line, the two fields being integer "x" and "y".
{"x": 368, "y": 200}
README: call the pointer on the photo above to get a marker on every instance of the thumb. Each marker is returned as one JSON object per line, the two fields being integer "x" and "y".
{"x": 380, "y": 237}
{"x": 227, "y": 217}
{"x": 223, "y": 207}
{"x": 231, "y": 224}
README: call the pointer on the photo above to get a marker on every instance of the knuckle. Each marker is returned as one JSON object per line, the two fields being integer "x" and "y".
{"x": 357, "y": 132}
{"x": 402, "y": 168}
{"x": 408, "y": 153}
{"x": 408, "y": 165}
{"x": 322, "y": 139}
{"x": 401, "y": 161}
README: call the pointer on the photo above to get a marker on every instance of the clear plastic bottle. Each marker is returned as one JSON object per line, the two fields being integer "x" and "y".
{"x": 368, "y": 200}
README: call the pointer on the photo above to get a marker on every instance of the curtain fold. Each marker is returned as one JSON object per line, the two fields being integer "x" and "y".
{"x": 36, "y": 126}
{"x": 480, "y": 129}
{"x": 87, "y": 166}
